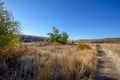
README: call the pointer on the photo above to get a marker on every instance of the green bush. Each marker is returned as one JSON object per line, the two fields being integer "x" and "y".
{"x": 9, "y": 29}
{"x": 58, "y": 37}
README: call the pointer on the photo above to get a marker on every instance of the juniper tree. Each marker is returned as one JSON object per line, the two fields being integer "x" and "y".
{"x": 55, "y": 36}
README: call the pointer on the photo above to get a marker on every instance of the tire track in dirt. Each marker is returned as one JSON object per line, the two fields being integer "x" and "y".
{"x": 106, "y": 69}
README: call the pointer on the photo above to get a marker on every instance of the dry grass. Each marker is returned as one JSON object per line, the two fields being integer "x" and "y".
{"x": 113, "y": 50}
{"x": 55, "y": 62}
{"x": 70, "y": 62}
{"x": 114, "y": 47}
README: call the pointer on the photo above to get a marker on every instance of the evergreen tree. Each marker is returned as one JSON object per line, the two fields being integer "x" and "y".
{"x": 55, "y": 36}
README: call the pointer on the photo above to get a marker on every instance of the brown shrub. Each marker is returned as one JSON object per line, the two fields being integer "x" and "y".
{"x": 25, "y": 49}
{"x": 21, "y": 64}
{"x": 6, "y": 53}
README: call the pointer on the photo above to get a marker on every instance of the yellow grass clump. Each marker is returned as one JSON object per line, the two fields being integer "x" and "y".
{"x": 55, "y": 44}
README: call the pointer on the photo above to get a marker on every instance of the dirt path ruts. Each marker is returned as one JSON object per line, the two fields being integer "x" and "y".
{"x": 106, "y": 69}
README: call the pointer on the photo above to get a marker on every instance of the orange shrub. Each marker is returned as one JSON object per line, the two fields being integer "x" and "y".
{"x": 83, "y": 46}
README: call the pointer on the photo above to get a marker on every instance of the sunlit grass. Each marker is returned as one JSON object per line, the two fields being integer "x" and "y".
{"x": 53, "y": 62}
{"x": 114, "y": 47}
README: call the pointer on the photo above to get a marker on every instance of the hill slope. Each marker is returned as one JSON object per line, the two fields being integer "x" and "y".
{"x": 105, "y": 40}
{"x": 31, "y": 38}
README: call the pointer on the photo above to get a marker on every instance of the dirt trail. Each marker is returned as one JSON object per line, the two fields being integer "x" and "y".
{"x": 107, "y": 68}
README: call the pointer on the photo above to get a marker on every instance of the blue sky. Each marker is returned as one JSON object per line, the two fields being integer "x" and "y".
{"x": 81, "y": 19}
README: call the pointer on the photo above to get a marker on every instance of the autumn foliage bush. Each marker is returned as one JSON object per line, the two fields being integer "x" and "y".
{"x": 83, "y": 46}
{"x": 9, "y": 45}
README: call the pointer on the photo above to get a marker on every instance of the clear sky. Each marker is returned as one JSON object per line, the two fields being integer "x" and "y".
{"x": 81, "y": 19}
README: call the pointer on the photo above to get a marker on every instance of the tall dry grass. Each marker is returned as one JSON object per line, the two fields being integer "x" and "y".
{"x": 55, "y": 62}
{"x": 114, "y": 47}
{"x": 69, "y": 62}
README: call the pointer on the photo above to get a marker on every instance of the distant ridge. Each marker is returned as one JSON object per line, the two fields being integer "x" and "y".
{"x": 32, "y": 38}
{"x": 108, "y": 40}
{"x": 105, "y": 40}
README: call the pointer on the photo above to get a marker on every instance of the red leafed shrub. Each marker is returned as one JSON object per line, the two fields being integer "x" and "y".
{"x": 30, "y": 50}
{"x": 25, "y": 49}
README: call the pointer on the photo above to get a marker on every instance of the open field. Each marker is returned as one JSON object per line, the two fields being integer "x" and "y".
{"x": 63, "y": 62}
{"x": 60, "y": 40}
{"x": 53, "y": 62}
